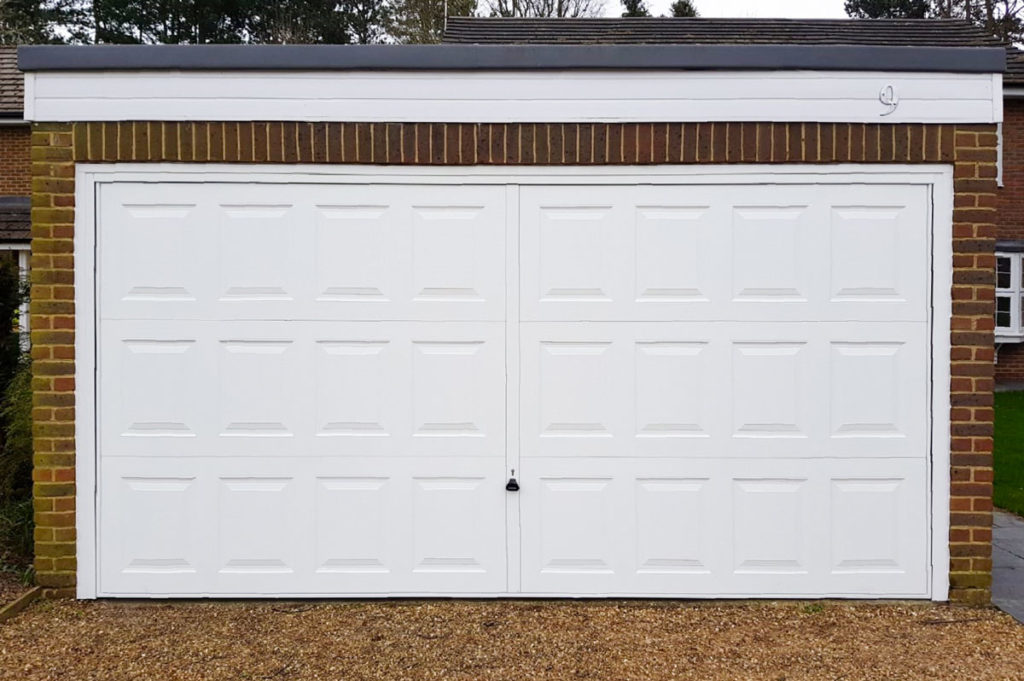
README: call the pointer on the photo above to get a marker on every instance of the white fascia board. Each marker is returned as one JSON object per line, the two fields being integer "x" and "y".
{"x": 516, "y": 96}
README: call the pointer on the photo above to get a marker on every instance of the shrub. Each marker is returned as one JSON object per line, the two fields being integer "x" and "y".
{"x": 16, "y": 526}
{"x": 16, "y": 537}
{"x": 16, "y": 417}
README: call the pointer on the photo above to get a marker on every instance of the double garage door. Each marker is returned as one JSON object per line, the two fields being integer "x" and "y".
{"x": 323, "y": 388}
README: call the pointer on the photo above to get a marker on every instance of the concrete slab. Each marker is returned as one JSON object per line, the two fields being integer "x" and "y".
{"x": 1008, "y": 564}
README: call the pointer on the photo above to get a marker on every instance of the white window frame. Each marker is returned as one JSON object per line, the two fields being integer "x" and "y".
{"x": 1014, "y": 333}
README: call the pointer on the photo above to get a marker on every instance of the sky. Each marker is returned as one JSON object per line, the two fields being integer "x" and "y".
{"x": 805, "y": 9}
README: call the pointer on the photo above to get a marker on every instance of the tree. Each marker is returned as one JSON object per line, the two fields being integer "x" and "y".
{"x": 635, "y": 8}
{"x": 1003, "y": 19}
{"x": 422, "y": 21}
{"x": 684, "y": 8}
{"x": 887, "y": 9}
{"x": 367, "y": 20}
{"x": 240, "y": 21}
{"x": 170, "y": 21}
{"x": 43, "y": 21}
{"x": 545, "y": 8}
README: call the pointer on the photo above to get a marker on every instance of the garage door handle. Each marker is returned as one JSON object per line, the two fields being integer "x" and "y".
{"x": 512, "y": 485}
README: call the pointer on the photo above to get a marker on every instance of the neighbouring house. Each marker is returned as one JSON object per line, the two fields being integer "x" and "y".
{"x": 1010, "y": 228}
{"x": 708, "y": 320}
{"x": 15, "y": 168}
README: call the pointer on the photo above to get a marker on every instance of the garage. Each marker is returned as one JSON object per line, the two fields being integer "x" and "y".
{"x": 426, "y": 359}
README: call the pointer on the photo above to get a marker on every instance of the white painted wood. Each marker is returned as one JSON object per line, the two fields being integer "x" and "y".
{"x": 339, "y": 252}
{"x": 997, "y": 102}
{"x": 87, "y": 498}
{"x": 512, "y": 386}
{"x": 789, "y": 485}
{"x": 250, "y": 443}
{"x": 708, "y": 252}
{"x": 29, "y": 96}
{"x": 223, "y": 525}
{"x": 517, "y": 96}
{"x": 756, "y": 390}
{"x": 941, "y": 314}
{"x": 709, "y": 527}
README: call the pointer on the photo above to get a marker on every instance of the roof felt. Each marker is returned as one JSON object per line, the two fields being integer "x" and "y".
{"x": 670, "y": 30}
{"x": 12, "y": 83}
{"x": 15, "y": 222}
{"x": 509, "y": 57}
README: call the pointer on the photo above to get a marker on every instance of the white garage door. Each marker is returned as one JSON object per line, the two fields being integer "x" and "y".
{"x": 323, "y": 388}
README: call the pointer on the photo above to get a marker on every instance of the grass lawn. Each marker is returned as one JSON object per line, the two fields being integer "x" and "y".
{"x": 1009, "y": 452}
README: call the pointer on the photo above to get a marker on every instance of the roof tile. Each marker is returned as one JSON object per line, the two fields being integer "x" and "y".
{"x": 670, "y": 30}
{"x": 12, "y": 82}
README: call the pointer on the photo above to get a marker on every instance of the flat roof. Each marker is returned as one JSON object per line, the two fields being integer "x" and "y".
{"x": 509, "y": 57}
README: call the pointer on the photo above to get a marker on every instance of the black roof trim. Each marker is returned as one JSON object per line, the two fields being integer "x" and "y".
{"x": 509, "y": 57}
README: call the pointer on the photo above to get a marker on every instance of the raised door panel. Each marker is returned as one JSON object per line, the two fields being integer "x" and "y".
{"x": 272, "y": 251}
{"x": 189, "y": 388}
{"x": 308, "y": 526}
{"x": 707, "y": 527}
{"x": 727, "y": 390}
{"x": 821, "y": 252}
{"x": 154, "y": 532}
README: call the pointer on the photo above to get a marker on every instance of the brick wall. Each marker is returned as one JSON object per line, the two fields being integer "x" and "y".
{"x": 970, "y": 148}
{"x": 1010, "y": 205}
{"x": 15, "y": 165}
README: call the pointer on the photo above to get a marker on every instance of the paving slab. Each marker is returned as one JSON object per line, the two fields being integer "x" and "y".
{"x": 1008, "y": 563}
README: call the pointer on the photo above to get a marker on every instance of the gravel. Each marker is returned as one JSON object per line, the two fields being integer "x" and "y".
{"x": 474, "y": 640}
{"x": 10, "y": 587}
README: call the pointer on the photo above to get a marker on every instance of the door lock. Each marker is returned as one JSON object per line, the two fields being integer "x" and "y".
{"x": 512, "y": 485}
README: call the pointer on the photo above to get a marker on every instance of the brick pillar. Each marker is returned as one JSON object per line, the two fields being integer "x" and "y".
{"x": 972, "y": 327}
{"x": 53, "y": 354}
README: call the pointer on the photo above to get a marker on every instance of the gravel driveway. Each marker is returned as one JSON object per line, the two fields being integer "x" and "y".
{"x": 616, "y": 640}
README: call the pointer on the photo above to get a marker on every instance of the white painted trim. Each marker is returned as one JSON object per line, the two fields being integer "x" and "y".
{"x": 514, "y": 568}
{"x": 85, "y": 383}
{"x": 938, "y": 177}
{"x": 534, "y": 595}
{"x": 997, "y": 100}
{"x": 941, "y": 314}
{"x": 514, "y": 96}
{"x": 16, "y": 246}
{"x": 24, "y": 310}
{"x": 29, "y": 101}
{"x": 567, "y": 174}
{"x": 999, "y": 155}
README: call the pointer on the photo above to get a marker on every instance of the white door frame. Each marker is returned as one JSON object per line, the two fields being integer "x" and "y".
{"x": 88, "y": 177}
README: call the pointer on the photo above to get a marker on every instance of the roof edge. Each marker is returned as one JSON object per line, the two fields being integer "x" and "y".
{"x": 461, "y": 57}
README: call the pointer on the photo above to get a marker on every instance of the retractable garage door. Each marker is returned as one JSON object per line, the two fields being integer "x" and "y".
{"x": 323, "y": 388}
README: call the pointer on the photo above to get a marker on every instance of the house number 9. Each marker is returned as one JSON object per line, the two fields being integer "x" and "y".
{"x": 889, "y": 98}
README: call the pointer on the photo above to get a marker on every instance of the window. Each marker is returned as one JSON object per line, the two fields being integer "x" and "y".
{"x": 19, "y": 253}
{"x": 1009, "y": 302}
